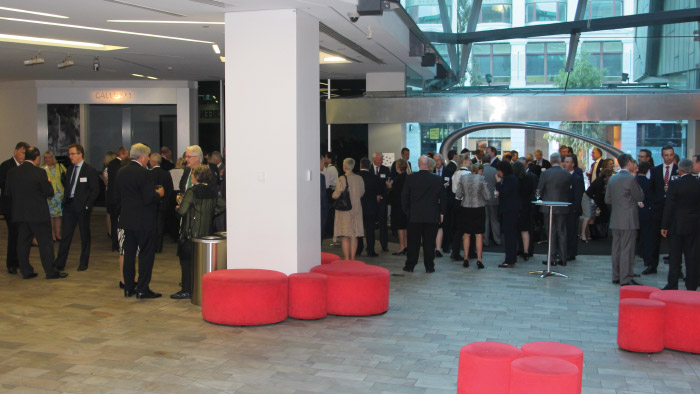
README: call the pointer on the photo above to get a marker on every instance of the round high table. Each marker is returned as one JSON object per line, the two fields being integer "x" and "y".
{"x": 551, "y": 205}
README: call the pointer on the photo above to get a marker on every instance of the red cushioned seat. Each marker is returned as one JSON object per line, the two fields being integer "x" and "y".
{"x": 356, "y": 289}
{"x": 356, "y": 262}
{"x": 563, "y": 351}
{"x": 484, "y": 367}
{"x": 682, "y": 319}
{"x": 543, "y": 375}
{"x": 636, "y": 291}
{"x": 640, "y": 325}
{"x": 308, "y": 293}
{"x": 244, "y": 297}
{"x": 327, "y": 258}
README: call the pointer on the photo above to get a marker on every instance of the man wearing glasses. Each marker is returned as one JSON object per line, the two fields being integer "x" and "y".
{"x": 193, "y": 157}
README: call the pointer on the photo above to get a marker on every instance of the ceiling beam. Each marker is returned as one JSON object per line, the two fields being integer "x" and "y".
{"x": 447, "y": 28}
{"x": 573, "y": 40}
{"x": 467, "y": 48}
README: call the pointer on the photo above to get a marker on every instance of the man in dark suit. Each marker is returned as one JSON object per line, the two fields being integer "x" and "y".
{"x": 382, "y": 174}
{"x": 81, "y": 187}
{"x": 645, "y": 239}
{"x": 572, "y": 218}
{"x": 661, "y": 175}
{"x": 680, "y": 226}
{"x": 494, "y": 156}
{"x": 162, "y": 178}
{"x": 110, "y": 199}
{"x": 166, "y": 154}
{"x": 540, "y": 163}
{"x": 448, "y": 224}
{"x": 6, "y": 205}
{"x": 625, "y": 196}
{"x": 194, "y": 157}
{"x": 137, "y": 202}
{"x": 370, "y": 204}
{"x": 554, "y": 185}
{"x": 405, "y": 155}
{"x": 28, "y": 187}
{"x": 216, "y": 163}
{"x": 423, "y": 200}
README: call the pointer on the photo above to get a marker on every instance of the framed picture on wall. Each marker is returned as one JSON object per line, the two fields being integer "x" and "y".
{"x": 64, "y": 127}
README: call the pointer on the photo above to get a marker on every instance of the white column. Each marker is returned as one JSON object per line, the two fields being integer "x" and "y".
{"x": 272, "y": 141}
{"x": 187, "y": 127}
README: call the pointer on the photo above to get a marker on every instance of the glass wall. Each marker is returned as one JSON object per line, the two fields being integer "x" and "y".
{"x": 544, "y": 60}
{"x": 545, "y": 11}
{"x": 496, "y": 11}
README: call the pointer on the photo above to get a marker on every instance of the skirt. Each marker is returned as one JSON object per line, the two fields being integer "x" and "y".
{"x": 471, "y": 220}
{"x": 587, "y": 207}
{"x": 525, "y": 218}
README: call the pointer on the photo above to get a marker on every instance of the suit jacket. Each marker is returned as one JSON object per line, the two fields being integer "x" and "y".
{"x": 395, "y": 173}
{"x": 136, "y": 198}
{"x": 166, "y": 164}
{"x": 423, "y": 197}
{"x": 87, "y": 186}
{"x": 554, "y": 186}
{"x": 372, "y": 190}
{"x": 682, "y": 211}
{"x": 186, "y": 176}
{"x": 494, "y": 163}
{"x": 658, "y": 194}
{"x": 163, "y": 178}
{"x": 645, "y": 184}
{"x": 490, "y": 176}
{"x": 28, "y": 187}
{"x": 576, "y": 193}
{"x": 623, "y": 194}
{"x": 448, "y": 172}
{"x": 509, "y": 195}
{"x": 384, "y": 175}
{"x": 112, "y": 170}
{"x": 5, "y": 200}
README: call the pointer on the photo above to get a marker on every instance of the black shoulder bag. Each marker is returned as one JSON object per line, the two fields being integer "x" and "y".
{"x": 342, "y": 203}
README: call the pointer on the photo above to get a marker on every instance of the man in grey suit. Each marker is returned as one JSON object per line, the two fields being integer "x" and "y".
{"x": 554, "y": 186}
{"x": 493, "y": 225}
{"x": 625, "y": 196}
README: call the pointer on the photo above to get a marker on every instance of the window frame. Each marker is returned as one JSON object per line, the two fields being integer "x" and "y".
{"x": 601, "y": 53}
{"x": 497, "y": 80}
{"x": 545, "y": 53}
{"x": 560, "y": 18}
{"x": 508, "y": 3}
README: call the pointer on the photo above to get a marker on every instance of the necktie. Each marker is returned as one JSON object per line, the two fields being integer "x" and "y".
{"x": 376, "y": 170}
{"x": 72, "y": 181}
{"x": 666, "y": 176}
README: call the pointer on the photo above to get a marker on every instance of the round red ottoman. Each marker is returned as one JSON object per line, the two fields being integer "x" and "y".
{"x": 244, "y": 297}
{"x": 636, "y": 291}
{"x": 484, "y": 367}
{"x": 563, "y": 351}
{"x": 307, "y": 295}
{"x": 356, "y": 289}
{"x": 682, "y": 319}
{"x": 327, "y": 258}
{"x": 356, "y": 262}
{"x": 640, "y": 325}
{"x": 543, "y": 375}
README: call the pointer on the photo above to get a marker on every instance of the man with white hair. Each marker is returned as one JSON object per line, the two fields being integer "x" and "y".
{"x": 193, "y": 157}
{"x": 137, "y": 203}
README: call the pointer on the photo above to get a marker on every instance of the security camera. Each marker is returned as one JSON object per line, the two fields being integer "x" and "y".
{"x": 354, "y": 16}
{"x": 96, "y": 64}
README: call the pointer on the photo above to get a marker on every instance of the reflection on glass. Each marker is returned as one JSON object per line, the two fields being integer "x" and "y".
{"x": 539, "y": 11}
{"x": 493, "y": 13}
{"x": 544, "y": 60}
{"x": 603, "y": 8}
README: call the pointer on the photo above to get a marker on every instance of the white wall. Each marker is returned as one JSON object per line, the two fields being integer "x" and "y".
{"x": 18, "y": 111}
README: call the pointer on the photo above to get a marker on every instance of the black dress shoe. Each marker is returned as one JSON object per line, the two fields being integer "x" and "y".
{"x": 429, "y": 270}
{"x": 526, "y": 257}
{"x": 82, "y": 267}
{"x": 632, "y": 283}
{"x": 616, "y": 282}
{"x": 649, "y": 271}
{"x": 669, "y": 287}
{"x": 506, "y": 265}
{"x": 147, "y": 294}
{"x": 129, "y": 293}
{"x": 465, "y": 264}
{"x": 30, "y": 276}
{"x": 456, "y": 257}
{"x": 372, "y": 255}
{"x": 60, "y": 268}
{"x": 407, "y": 269}
{"x": 437, "y": 253}
{"x": 58, "y": 275}
{"x": 181, "y": 295}
{"x": 553, "y": 263}
{"x": 479, "y": 265}
{"x": 12, "y": 270}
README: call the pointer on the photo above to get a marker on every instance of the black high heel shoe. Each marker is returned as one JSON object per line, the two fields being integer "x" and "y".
{"x": 438, "y": 253}
{"x": 479, "y": 265}
{"x": 402, "y": 252}
{"x": 584, "y": 240}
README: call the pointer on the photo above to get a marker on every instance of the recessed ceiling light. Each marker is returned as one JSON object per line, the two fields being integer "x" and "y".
{"x": 137, "y": 75}
{"x": 105, "y": 30}
{"x": 150, "y": 77}
{"x": 223, "y": 59}
{"x": 33, "y": 12}
{"x": 57, "y": 43}
{"x": 325, "y": 58}
{"x": 216, "y": 49}
{"x": 165, "y": 22}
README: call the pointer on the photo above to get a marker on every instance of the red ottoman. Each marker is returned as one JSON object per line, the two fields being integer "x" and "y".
{"x": 356, "y": 262}
{"x": 563, "y": 351}
{"x": 356, "y": 289}
{"x": 484, "y": 367}
{"x": 543, "y": 375}
{"x": 244, "y": 297}
{"x": 640, "y": 325}
{"x": 327, "y": 258}
{"x": 308, "y": 295}
{"x": 682, "y": 319}
{"x": 636, "y": 291}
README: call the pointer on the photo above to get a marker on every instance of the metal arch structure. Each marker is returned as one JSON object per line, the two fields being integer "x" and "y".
{"x": 452, "y": 139}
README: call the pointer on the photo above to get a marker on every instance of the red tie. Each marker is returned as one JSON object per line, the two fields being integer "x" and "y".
{"x": 666, "y": 176}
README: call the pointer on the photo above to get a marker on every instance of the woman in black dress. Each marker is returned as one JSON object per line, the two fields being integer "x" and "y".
{"x": 596, "y": 192}
{"x": 509, "y": 205}
{"x": 399, "y": 221}
{"x": 528, "y": 184}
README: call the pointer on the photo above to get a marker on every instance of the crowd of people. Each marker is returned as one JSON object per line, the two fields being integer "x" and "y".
{"x": 474, "y": 199}
{"x": 148, "y": 197}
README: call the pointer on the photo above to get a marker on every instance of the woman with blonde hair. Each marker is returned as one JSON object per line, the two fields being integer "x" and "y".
{"x": 55, "y": 171}
{"x": 348, "y": 224}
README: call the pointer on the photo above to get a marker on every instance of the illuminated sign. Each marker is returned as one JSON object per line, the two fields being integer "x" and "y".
{"x": 112, "y": 96}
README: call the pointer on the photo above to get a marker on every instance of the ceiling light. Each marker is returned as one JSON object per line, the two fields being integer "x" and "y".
{"x": 216, "y": 49}
{"x": 137, "y": 75}
{"x": 105, "y": 30}
{"x": 34, "y": 61}
{"x": 56, "y": 43}
{"x": 334, "y": 59}
{"x": 165, "y": 22}
{"x": 33, "y": 12}
{"x": 325, "y": 58}
{"x": 67, "y": 62}
{"x": 150, "y": 77}
{"x": 223, "y": 59}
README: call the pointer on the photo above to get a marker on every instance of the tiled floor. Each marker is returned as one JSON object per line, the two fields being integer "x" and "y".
{"x": 80, "y": 335}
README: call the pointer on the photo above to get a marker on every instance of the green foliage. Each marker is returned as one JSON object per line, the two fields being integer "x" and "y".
{"x": 464, "y": 8}
{"x": 475, "y": 76}
{"x": 584, "y": 75}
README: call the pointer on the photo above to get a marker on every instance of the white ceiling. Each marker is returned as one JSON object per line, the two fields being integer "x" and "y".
{"x": 179, "y": 60}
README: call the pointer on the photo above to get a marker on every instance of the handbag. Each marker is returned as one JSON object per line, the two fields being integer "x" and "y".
{"x": 342, "y": 203}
